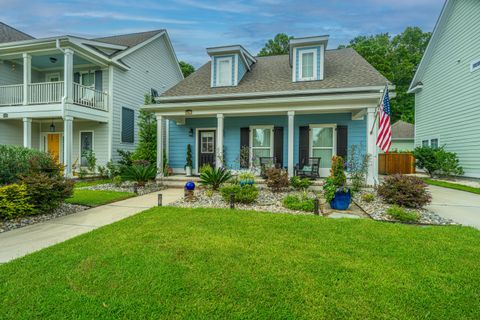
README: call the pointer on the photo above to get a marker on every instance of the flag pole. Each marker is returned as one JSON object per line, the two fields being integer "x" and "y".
{"x": 378, "y": 105}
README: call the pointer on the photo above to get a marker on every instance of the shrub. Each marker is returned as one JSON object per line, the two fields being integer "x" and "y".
{"x": 357, "y": 165}
{"x": 188, "y": 160}
{"x": 405, "y": 191}
{"x": 214, "y": 178}
{"x": 300, "y": 183}
{"x": 16, "y": 161}
{"x": 247, "y": 177}
{"x": 368, "y": 197}
{"x": 82, "y": 173}
{"x": 125, "y": 158}
{"x": 113, "y": 169}
{"x": 242, "y": 194}
{"x": 205, "y": 167}
{"x": 277, "y": 179}
{"x": 403, "y": 215}
{"x": 103, "y": 172}
{"x": 337, "y": 172}
{"x": 437, "y": 161}
{"x": 14, "y": 201}
{"x": 117, "y": 181}
{"x": 329, "y": 189}
{"x": 141, "y": 173}
{"x": 147, "y": 137}
{"x": 91, "y": 160}
{"x": 299, "y": 203}
{"x": 47, "y": 192}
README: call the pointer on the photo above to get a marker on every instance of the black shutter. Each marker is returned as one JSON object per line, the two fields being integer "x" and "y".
{"x": 342, "y": 141}
{"x": 128, "y": 125}
{"x": 98, "y": 80}
{"x": 76, "y": 77}
{"x": 303, "y": 152}
{"x": 278, "y": 145}
{"x": 244, "y": 143}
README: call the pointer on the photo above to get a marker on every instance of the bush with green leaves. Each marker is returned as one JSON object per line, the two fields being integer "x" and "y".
{"x": 329, "y": 189}
{"x": 113, "y": 169}
{"x": 368, "y": 197}
{"x": 300, "y": 183}
{"x": 357, "y": 166}
{"x": 277, "y": 179}
{"x": 126, "y": 158}
{"x": 188, "y": 160}
{"x": 299, "y": 203}
{"x": 117, "y": 181}
{"x": 140, "y": 173}
{"x": 437, "y": 161}
{"x": 214, "y": 178}
{"x": 401, "y": 214}
{"x": 204, "y": 168}
{"x": 15, "y": 201}
{"x": 405, "y": 191}
{"x": 337, "y": 171}
{"x": 91, "y": 160}
{"x": 103, "y": 171}
{"x": 147, "y": 137}
{"x": 242, "y": 194}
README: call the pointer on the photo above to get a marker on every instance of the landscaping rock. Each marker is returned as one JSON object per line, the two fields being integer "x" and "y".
{"x": 127, "y": 186}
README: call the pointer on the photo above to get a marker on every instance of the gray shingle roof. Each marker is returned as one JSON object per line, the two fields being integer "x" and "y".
{"x": 129, "y": 40}
{"x": 9, "y": 34}
{"x": 403, "y": 130}
{"x": 344, "y": 68}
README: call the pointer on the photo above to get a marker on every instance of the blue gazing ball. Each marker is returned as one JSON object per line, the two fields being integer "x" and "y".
{"x": 190, "y": 186}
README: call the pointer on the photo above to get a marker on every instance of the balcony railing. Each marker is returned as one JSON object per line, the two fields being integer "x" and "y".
{"x": 52, "y": 92}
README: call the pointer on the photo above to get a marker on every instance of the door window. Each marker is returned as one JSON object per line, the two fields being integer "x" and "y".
{"x": 322, "y": 145}
{"x": 207, "y": 143}
{"x": 86, "y": 146}
{"x": 262, "y": 143}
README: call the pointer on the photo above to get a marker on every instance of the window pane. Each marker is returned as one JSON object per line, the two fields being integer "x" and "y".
{"x": 86, "y": 144}
{"x": 88, "y": 79}
{"x": 261, "y": 137}
{"x": 224, "y": 72}
{"x": 325, "y": 155}
{"x": 434, "y": 143}
{"x": 322, "y": 137}
{"x": 425, "y": 143}
{"x": 307, "y": 65}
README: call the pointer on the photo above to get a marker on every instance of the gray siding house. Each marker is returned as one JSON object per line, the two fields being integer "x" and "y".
{"x": 67, "y": 95}
{"x": 447, "y": 85}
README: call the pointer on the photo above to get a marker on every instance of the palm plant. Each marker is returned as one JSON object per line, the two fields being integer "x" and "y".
{"x": 214, "y": 178}
{"x": 139, "y": 173}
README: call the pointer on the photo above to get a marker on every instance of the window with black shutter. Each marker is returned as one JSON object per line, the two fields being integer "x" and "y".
{"x": 128, "y": 125}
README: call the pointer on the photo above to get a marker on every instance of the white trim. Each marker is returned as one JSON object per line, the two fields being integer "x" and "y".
{"x": 291, "y": 142}
{"x": 217, "y": 70}
{"x": 323, "y": 171}
{"x": 44, "y": 143}
{"x": 138, "y": 46}
{"x": 475, "y": 68}
{"x": 80, "y": 145}
{"x": 300, "y": 64}
{"x": 235, "y": 82}
{"x": 251, "y": 147}
{"x": 195, "y": 170}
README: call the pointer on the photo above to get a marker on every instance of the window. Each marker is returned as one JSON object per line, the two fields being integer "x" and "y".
{"x": 434, "y": 143}
{"x": 86, "y": 145}
{"x": 224, "y": 72}
{"x": 261, "y": 142}
{"x": 475, "y": 65}
{"x": 322, "y": 143}
{"x": 308, "y": 64}
{"x": 425, "y": 143}
{"x": 207, "y": 141}
{"x": 87, "y": 79}
{"x": 128, "y": 125}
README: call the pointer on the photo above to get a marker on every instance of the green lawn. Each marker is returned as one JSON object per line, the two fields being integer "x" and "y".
{"x": 94, "y": 198}
{"x": 216, "y": 264}
{"x": 88, "y": 183}
{"x": 451, "y": 185}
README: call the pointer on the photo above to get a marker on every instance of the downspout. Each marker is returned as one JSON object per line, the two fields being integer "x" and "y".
{"x": 64, "y": 98}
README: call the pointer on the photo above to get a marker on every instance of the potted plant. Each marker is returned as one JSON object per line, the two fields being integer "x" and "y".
{"x": 189, "y": 163}
{"x": 335, "y": 191}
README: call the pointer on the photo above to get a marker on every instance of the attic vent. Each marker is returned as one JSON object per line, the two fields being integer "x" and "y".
{"x": 475, "y": 65}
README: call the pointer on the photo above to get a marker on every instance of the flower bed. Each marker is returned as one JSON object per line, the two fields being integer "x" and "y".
{"x": 127, "y": 186}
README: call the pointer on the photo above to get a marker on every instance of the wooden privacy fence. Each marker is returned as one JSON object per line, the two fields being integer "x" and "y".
{"x": 396, "y": 163}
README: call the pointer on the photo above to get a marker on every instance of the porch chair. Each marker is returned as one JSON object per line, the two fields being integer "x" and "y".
{"x": 308, "y": 168}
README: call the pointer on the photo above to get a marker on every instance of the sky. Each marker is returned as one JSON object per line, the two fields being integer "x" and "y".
{"x": 195, "y": 25}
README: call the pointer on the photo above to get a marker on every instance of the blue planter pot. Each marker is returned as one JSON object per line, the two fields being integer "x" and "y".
{"x": 341, "y": 201}
{"x": 247, "y": 182}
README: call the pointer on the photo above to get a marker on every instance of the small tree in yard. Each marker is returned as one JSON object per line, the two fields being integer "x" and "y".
{"x": 147, "y": 144}
{"x": 437, "y": 161}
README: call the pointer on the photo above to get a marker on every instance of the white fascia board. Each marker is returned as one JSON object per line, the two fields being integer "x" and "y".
{"x": 415, "y": 89}
{"x": 138, "y": 46}
{"x": 431, "y": 44}
{"x": 172, "y": 50}
{"x": 230, "y": 49}
{"x": 27, "y": 43}
{"x": 98, "y": 43}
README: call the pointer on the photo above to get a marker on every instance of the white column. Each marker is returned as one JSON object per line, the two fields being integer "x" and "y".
{"x": 160, "y": 145}
{"x": 110, "y": 112}
{"x": 372, "y": 174}
{"x": 67, "y": 144}
{"x": 291, "y": 129}
{"x": 27, "y": 76}
{"x": 68, "y": 75}
{"x": 27, "y": 132}
{"x": 219, "y": 162}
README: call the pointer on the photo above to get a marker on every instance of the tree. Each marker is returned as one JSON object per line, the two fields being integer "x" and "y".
{"x": 187, "y": 68}
{"x": 280, "y": 44}
{"x": 147, "y": 144}
{"x": 395, "y": 58}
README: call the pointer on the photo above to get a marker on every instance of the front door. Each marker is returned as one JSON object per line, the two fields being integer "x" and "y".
{"x": 54, "y": 145}
{"x": 206, "y": 149}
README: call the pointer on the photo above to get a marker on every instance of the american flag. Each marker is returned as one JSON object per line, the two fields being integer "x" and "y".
{"x": 384, "y": 139}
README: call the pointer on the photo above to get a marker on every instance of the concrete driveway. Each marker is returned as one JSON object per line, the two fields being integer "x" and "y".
{"x": 460, "y": 206}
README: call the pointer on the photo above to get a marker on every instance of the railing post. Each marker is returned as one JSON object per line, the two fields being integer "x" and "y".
{"x": 27, "y": 76}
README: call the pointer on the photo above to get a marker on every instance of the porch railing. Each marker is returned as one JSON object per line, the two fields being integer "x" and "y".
{"x": 11, "y": 95}
{"x": 45, "y": 92}
{"x": 89, "y": 97}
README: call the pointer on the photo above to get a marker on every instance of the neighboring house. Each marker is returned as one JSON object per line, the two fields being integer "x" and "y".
{"x": 311, "y": 103}
{"x": 403, "y": 136}
{"x": 447, "y": 85}
{"x": 68, "y": 95}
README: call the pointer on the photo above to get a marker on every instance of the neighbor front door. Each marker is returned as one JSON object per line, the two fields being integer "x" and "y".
{"x": 54, "y": 145}
{"x": 206, "y": 148}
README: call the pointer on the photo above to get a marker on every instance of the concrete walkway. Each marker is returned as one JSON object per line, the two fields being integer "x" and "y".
{"x": 460, "y": 206}
{"x": 19, "y": 242}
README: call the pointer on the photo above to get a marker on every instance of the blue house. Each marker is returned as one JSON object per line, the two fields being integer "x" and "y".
{"x": 312, "y": 102}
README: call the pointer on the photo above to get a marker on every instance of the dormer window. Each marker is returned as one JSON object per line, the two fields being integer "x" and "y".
{"x": 307, "y": 58}
{"x": 224, "y": 71}
{"x": 308, "y": 62}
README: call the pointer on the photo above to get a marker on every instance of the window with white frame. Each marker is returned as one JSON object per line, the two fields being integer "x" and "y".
{"x": 224, "y": 71}
{"x": 434, "y": 143}
{"x": 261, "y": 142}
{"x": 308, "y": 64}
{"x": 424, "y": 143}
{"x": 86, "y": 146}
{"x": 322, "y": 143}
{"x": 475, "y": 65}
{"x": 87, "y": 79}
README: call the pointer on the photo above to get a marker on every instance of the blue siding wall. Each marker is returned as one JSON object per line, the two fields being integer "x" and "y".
{"x": 297, "y": 60}
{"x": 179, "y": 134}
{"x": 214, "y": 61}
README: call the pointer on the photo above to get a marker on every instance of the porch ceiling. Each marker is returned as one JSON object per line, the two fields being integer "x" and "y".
{"x": 43, "y": 61}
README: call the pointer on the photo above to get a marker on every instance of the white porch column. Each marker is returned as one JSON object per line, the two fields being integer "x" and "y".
{"x": 67, "y": 144}
{"x": 27, "y": 76}
{"x": 372, "y": 175}
{"x": 219, "y": 162}
{"x": 160, "y": 146}
{"x": 27, "y": 132}
{"x": 291, "y": 129}
{"x": 68, "y": 75}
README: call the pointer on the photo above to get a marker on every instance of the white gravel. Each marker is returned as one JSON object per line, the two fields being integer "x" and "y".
{"x": 127, "y": 186}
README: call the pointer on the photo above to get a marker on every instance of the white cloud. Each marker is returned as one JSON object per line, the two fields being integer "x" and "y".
{"x": 224, "y": 6}
{"x": 126, "y": 17}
